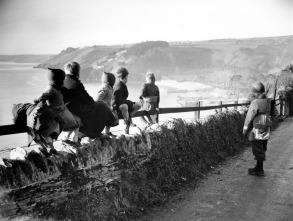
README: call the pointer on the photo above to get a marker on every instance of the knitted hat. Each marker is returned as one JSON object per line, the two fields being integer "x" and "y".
{"x": 258, "y": 88}
{"x": 56, "y": 76}
{"x": 108, "y": 78}
{"x": 122, "y": 73}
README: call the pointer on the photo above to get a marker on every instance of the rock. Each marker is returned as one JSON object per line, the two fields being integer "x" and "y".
{"x": 2, "y": 162}
{"x": 18, "y": 154}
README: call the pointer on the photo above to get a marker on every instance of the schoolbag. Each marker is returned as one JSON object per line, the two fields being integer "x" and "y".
{"x": 262, "y": 124}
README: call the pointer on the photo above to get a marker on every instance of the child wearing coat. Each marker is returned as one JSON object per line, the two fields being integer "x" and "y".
{"x": 105, "y": 93}
{"x": 54, "y": 98}
{"x": 150, "y": 99}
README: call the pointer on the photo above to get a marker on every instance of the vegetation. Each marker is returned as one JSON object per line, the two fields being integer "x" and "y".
{"x": 208, "y": 61}
{"x": 180, "y": 153}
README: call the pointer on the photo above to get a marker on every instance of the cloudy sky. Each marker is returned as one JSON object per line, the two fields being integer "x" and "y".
{"x": 49, "y": 26}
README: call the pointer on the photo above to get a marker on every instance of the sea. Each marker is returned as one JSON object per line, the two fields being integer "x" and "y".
{"x": 21, "y": 83}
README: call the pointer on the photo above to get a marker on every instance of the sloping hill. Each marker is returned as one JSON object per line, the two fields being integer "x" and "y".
{"x": 205, "y": 60}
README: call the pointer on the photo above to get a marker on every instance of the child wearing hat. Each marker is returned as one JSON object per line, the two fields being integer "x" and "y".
{"x": 105, "y": 93}
{"x": 257, "y": 126}
{"x": 124, "y": 107}
{"x": 54, "y": 98}
{"x": 150, "y": 99}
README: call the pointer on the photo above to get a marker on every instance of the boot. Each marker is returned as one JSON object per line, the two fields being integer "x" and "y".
{"x": 257, "y": 170}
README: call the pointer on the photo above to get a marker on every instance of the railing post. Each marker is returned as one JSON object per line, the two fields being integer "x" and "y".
{"x": 197, "y": 113}
{"x": 221, "y": 108}
{"x": 281, "y": 107}
{"x": 157, "y": 119}
{"x": 235, "y": 107}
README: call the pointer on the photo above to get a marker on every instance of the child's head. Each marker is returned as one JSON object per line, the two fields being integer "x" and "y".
{"x": 56, "y": 77}
{"x": 258, "y": 90}
{"x": 72, "y": 68}
{"x": 122, "y": 74}
{"x": 108, "y": 78}
{"x": 150, "y": 77}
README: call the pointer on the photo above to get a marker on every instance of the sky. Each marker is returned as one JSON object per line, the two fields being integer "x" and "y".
{"x": 50, "y": 26}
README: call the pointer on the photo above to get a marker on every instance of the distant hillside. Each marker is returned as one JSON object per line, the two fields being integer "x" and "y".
{"x": 209, "y": 61}
{"x": 26, "y": 58}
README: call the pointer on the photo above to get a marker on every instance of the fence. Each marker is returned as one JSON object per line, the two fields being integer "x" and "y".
{"x": 13, "y": 129}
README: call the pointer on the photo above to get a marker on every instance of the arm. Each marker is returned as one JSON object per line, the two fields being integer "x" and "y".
{"x": 142, "y": 92}
{"x": 83, "y": 95}
{"x": 252, "y": 111}
{"x": 45, "y": 96}
{"x": 158, "y": 97}
{"x": 118, "y": 97}
{"x": 101, "y": 94}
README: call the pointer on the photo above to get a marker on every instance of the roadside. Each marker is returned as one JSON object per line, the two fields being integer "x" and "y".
{"x": 228, "y": 193}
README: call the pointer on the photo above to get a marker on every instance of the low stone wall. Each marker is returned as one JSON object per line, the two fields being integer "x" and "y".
{"x": 120, "y": 176}
{"x": 36, "y": 167}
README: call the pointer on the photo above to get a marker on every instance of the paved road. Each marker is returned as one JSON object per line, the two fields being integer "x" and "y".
{"x": 229, "y": 193}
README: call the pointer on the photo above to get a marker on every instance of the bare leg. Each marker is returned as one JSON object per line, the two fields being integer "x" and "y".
{"x": 135, "y": 108}
{"x": 75, "y": 134}
{"x": 125, "y": 114}
{"x": 124, "y": 110}
{"x": 66, "y": 134}
{"x": 107, "y": 130}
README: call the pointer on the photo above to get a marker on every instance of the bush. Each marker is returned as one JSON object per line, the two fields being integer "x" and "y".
{"x": 181, "y": 152}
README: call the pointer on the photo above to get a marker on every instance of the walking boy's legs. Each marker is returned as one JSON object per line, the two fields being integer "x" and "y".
{"x": 259, "y": 148}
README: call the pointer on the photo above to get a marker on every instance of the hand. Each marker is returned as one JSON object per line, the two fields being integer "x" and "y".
{"x": 245, "y": 132}
{"x": 158, "y": 110}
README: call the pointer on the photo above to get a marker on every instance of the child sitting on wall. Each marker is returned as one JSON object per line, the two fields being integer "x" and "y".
{"x": 54, "y": 99}
{"x": 105, "y": 94}
{"x": 124, "y": 107}
{"x": 150, "y": 99}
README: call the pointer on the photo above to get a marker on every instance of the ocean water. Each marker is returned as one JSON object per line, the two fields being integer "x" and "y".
{"x": 21, "y": 83}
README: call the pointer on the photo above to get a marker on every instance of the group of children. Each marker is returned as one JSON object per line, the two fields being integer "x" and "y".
{"x": 113, "y": 93}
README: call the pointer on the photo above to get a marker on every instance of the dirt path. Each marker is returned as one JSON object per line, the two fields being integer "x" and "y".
{"x": 229, "y": 193}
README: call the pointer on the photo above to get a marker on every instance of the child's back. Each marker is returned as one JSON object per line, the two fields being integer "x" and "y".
{"x": 105, "y": 92}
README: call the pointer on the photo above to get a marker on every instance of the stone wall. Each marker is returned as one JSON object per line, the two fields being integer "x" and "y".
{"x": 115, "y": 177}
{"x": 35, "y": 167}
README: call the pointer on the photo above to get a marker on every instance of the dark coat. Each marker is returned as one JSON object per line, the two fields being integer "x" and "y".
{"x": 37, "y": 119}
{"x": 77, "y": 99}
{"x": 120, "y": 94}
{"x": 150, "y": 90}
{"x": 94, "y": 115}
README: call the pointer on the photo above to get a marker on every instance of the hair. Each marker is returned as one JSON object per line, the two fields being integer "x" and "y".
{"x": 56, "y": 77}
{"x": 72, "y": 68}
{"x": 122, "y": 73}
{"x": 150, "y": 76}
{"x": 109, "y": 78}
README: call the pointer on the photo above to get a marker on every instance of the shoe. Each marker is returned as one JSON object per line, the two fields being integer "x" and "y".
{"x": 44, "y": 151}
{"x": 53, "y": 151}
{"x": 112, "y": 135}
{"x": 255, "y": 172}
{"x": 103, "y": 136}
{"x": 131, "y": 123}
{"x": 71, "y": 143}
{"x": 126, "y": 130}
